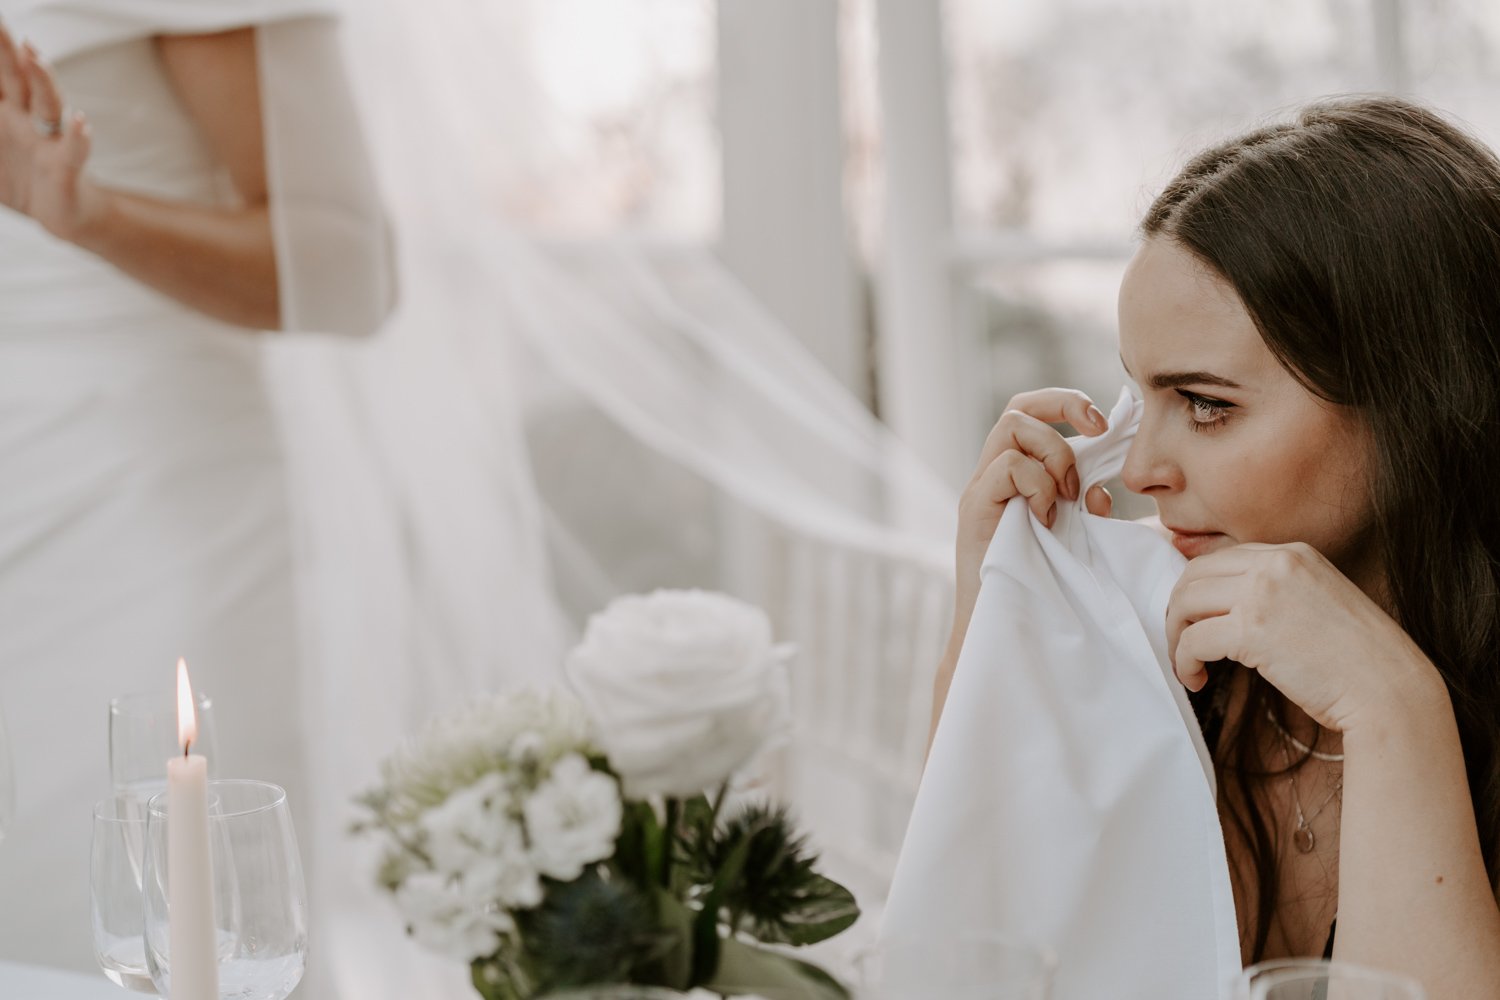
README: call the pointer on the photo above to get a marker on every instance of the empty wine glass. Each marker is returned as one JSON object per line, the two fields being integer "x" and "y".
{"x": 1319, "y": 979}
{"x": 143, "y": 734}
{"x": 972, "y": 966}
{"x": 260, "y": 900}
{"x": 115, "y": 860}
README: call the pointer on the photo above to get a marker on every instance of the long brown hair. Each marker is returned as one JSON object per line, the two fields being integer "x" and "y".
{"x": 1363, "y": 237}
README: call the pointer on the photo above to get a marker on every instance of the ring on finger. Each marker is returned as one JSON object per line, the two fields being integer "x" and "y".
{"x": 48, "y": 127}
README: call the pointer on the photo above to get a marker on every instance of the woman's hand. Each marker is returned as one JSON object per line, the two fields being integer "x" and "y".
{"x": 1287, "y": 612}
{"x": 1023, "y": 456}
{"x": 41, "y": 154}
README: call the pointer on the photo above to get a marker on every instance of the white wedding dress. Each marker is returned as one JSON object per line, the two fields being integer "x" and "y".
{"x": 143, "y": 513}
{"x": 336, "y": 534}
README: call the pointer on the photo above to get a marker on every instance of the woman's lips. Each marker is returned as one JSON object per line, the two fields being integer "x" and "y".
{"x": 1194, "y": 543}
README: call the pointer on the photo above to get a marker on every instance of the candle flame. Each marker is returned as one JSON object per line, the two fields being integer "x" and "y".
{"x": 187, "y": 719}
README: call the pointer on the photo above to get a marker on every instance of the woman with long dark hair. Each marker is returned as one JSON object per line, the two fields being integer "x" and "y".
{"x": 1313, "y": 320}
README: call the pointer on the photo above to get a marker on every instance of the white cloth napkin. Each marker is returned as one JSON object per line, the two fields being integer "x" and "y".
{"x": 1068, "y": 799}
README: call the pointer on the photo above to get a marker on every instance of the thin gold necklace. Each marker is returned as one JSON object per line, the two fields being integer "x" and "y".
{"x": 1303, "y": 836}
{"x": 1303, "y": 748}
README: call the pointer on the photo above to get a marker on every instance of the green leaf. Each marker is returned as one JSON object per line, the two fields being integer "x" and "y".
{"x": 594, "y": 929}
{"x": 747, "y": 969}
{"x": 824, "y": 909}
{"x": 655, "y": 848}
{"x": 781, "y": 895}
{"x": 697, "y": 833}
{"x": 638, "y": 848}
{"x": 676, "y": 920}
{"x": 697, "y": 814}
{"x": 670, "y": 835}
{"x": 706, "y": 925}
{"x": 494, "y": 983}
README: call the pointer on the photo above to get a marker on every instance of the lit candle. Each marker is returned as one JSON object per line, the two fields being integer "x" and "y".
{"x": 193, "y": 956}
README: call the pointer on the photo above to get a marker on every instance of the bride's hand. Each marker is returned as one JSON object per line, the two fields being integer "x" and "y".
{"x": 41, "y": 154}
{"x": 1024, "y": 456}
{"x": 1288, "y": 612}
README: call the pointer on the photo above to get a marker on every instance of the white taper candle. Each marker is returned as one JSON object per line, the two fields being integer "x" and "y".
{"x": 193, "y": 956}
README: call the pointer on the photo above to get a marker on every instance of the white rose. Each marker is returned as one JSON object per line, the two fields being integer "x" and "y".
{"x": 682, "y": 686}
{"x": 442, "y": 914}
{"x": 572, "y": 818}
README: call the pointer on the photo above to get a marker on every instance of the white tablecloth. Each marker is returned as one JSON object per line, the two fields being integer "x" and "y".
{"x": 32, "y": 982}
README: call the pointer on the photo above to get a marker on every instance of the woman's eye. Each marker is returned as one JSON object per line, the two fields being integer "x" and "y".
{"x": 1204, "y": 413}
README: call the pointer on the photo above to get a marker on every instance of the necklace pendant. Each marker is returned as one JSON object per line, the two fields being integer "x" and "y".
{"x": 1304, "y": 839}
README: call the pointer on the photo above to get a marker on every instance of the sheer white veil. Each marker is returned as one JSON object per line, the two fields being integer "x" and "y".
{"x": 674, "y": 433}
{"x": 539, "y": 427}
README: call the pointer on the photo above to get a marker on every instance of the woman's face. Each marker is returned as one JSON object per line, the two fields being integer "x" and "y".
{"x": 1231, "y": 447}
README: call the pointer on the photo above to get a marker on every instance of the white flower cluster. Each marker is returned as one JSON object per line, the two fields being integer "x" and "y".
{"x": 492, "y": 734}
{"x": 679, "y": 688}
{"x": 488, "y": 802}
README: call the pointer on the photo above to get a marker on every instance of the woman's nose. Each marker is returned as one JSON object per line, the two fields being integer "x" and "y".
{"x": 1148, "y": 469}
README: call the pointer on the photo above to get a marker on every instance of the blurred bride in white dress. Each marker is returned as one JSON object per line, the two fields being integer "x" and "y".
{"x": 144, "y": 508}
{"x": 149, "y": 507}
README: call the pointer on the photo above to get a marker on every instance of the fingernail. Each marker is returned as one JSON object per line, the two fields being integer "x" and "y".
{"x": 1097, "y": 417}
{"x": 1073, "y": 483}
{"x": 1052, "y": 515}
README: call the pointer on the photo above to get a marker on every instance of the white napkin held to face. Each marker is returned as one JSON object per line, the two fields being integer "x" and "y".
{"x": 1069, "y": 799}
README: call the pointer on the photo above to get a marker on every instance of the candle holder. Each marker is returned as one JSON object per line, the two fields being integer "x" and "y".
{"x": 260, "y": 899}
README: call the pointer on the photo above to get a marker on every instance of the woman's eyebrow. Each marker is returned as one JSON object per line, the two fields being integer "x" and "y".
{"x": 1176, "y": 380}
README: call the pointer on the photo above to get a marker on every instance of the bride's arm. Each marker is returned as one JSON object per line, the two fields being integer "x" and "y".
{"x": 220, "y": 261}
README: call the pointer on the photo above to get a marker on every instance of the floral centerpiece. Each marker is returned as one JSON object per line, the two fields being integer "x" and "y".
{"x": 555, "y": 841}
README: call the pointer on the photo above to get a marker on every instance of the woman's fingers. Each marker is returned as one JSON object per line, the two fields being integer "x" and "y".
{"x": 1098, "y": 501}
{"x": 46, "y": 101}
{"x": 1024, "y": 426}
{"x": 1015, "y": 474}
{"x": 1057, "y": 406}
{"x": 1019, "y": 431}
{"x": 1200, "y": 644}
{"x": 77, "y": 141}
{"x": 1050, "y": 406}
{"x": 1198, "y": 600}
{"x": 13, "y": 86}
{"x": 1041, "y": 442}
